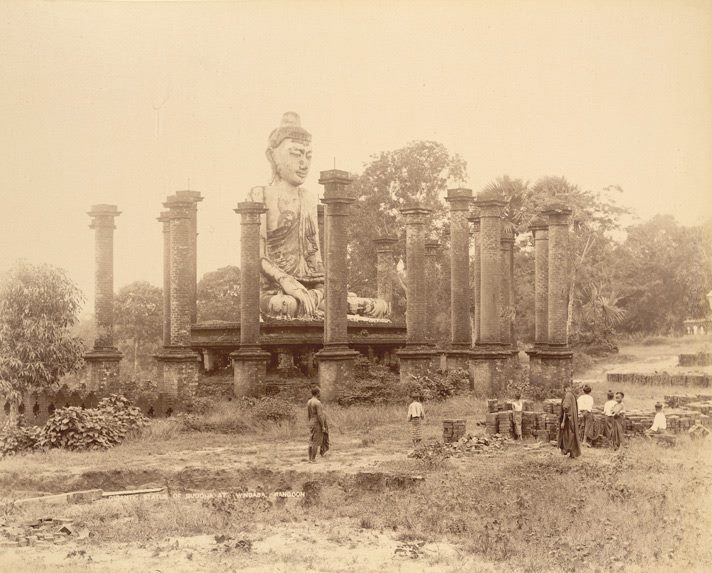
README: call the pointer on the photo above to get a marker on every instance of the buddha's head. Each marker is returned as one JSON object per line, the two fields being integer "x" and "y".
{"x": 289, "y": 151}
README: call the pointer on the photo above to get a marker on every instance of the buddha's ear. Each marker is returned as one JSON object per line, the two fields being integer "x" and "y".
{"x": 269, "y": 154}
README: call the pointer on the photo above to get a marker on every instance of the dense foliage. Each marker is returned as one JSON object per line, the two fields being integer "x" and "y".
{"x": 218, "y": 295}
{"x": 73, "y": 428}
{"x": 138, "y": 323}
{"x": 38, "y": 307}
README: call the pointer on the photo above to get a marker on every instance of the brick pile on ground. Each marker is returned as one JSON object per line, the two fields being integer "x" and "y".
{"x": 453, "y": 430}
{"x": 46, "y": 531}
{"x": 467, "y": 444}
{"x": 659, "y": 379}
{"x": 544, "y": 426}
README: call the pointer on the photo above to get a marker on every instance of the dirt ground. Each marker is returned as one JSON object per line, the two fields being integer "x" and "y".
{"x": 375, "y": 509}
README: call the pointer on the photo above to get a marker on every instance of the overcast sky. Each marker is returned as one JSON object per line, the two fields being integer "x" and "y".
{"x": 127, "y": 102}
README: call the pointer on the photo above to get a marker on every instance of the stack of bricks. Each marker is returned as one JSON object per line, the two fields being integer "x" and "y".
{"x": 453, "y": 430}
{"x": 660, "y": 379}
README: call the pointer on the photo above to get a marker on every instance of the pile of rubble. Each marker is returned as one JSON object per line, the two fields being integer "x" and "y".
{"x": 467, "y": 444}
{"x": 45, "y": 531}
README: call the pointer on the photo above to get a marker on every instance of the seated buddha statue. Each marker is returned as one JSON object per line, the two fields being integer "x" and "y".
{"x": 292, "y": 268}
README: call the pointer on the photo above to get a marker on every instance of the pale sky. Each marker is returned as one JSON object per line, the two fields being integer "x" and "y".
{"x": 603, "y": 92}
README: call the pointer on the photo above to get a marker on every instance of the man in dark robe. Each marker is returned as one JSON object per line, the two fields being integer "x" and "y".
{"x": 568, "y": 426}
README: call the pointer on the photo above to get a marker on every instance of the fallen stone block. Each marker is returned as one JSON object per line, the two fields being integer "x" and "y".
{"x": 60, "y": 499}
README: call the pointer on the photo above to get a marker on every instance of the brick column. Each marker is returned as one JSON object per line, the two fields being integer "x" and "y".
{"x": 164, "y": 218}
{"x": 556, "y": 359}
{"x": 194, "y": 197}
{"x": 460, "y": 333}
{"x": 320, "y": 224}
{"x": 490, "y": 267}
{"x": 540, "y": 230}
{"x": 416, "y": 359}
{"x": 180, "y": 363}
{"x": 384, "y": 268}
{"x": 507, "y": 308}
{"x": 250, "y": 361}
{"x": 474, "y": 218}
{"x": 491, "y": 358}
{"x": 335, "y": 359}
{"x": 102, "y": 370}
{"x": 431, "y": 276}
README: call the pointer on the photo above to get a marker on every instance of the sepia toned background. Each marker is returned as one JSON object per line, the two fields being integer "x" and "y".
{"x": 126, "y": 102}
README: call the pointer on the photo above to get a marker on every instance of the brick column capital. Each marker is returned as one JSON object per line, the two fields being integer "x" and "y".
{"x": 431, "y": 247}
{"x": 557, "y": 214}
{"x": 507, "y": 238}
{"x": 385, "y": 244}
{"x": 539, "y": 227}
{"x": 103, "y": 216}
{"x": 336, "y": 183}
{"x": 179, "y": 208}
{"x": 415, "y": 215}
{"x": 474, "y": 218}
{"x": 490, "y": 204}
{"x": 250, "y": 212}
{"x": 460, "y": 199}
{"x": 192, "y": 196}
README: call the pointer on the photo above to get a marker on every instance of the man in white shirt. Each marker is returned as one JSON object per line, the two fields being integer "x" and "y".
{"x": 585, "y": 408}
{"x": 659, "y": 422}
{"x": 608, "y": 412}
{"x": 415, "y": 417}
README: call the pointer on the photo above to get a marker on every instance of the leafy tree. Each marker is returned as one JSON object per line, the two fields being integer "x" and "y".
{"x": 664, "y": 271}
{"x": 421, "y": 171}
{"x": 138, "y": 320}
{"x": 218, "y": 295}
{"x": 38, "y": 307}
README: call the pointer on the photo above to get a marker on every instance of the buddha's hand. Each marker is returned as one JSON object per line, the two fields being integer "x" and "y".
{"x": 293, "y": 287}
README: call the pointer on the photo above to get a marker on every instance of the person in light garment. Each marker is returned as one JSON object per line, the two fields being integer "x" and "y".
{"x": 517, "y": 407}
{"x": 585, "y": 408}
{"x": 659, "y": 422}
{"x": 416, "y": 414}
{"x": 617, "y": 416}
{"x": 608, "y": 413}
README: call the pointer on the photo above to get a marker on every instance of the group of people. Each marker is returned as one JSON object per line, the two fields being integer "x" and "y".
{"x": 577, "y": 424}
{"x": 576, "y": 421}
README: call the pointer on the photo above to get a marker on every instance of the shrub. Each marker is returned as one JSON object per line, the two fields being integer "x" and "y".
{"x": 127, "y": 419}
{"x": 372, "y": 384}
{"x": 74, "y": 428}
{"x": 272, "y": 409}
{"x": 16, "y": 439}
{"x": 436, "y": 387}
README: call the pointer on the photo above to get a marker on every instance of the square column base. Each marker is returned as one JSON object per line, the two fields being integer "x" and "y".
{"x": 457, "y": 358}
{"x": 180, "y": 373}
{"x": 249, "y": 366}
{"x": 551, "y": 368}
{"x": 491, "y": 367}
{"x": 336, "y": 371}
{"x": 417, "y": 362}
{"x": 101, "y": 374}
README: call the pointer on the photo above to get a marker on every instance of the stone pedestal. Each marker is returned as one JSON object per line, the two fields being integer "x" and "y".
{"x": 336, "y": 358}
{"x": 550, "y": 369}
{"x": 180, "y": 372}
{"x": 101, "y": 373}
{"x": 249, "y": 371}
{"x": 491, "y": 367}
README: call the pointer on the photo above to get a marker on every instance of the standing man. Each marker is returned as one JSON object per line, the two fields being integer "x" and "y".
{"x": 568, "y": 426}
{"x": 517, "y": 408}
{"x": 617, "y": 416}
{"x": 317, "y": 422}
{"x": 585, "y": 408}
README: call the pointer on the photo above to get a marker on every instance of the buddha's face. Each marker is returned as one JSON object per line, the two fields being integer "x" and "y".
{"x": 292, "y": 159}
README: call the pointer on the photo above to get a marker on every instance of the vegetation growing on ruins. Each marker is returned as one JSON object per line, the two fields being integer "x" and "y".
{"x": 138, "y": 309}
{"x": 38, "y": 307}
